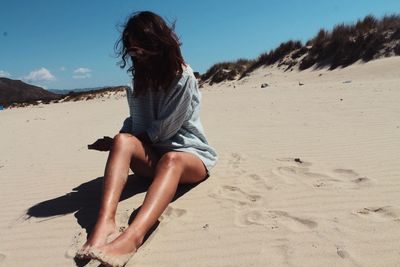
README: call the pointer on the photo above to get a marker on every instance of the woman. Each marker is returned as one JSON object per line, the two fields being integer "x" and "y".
{"x": 162, "y": 139}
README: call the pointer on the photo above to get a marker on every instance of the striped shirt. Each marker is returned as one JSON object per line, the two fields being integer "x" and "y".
{"x": 171, "y": 119}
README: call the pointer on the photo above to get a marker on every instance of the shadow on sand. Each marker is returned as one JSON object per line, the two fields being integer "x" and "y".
{"x": 84, "y": 201}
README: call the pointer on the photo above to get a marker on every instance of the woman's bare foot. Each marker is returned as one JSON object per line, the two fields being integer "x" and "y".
{"x": 101, "y": 232}
{"x": 119, "y": 251}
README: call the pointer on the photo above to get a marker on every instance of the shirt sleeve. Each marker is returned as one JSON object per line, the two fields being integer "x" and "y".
{"x": 173, "y": 114}
{"x": 127, "y": 126}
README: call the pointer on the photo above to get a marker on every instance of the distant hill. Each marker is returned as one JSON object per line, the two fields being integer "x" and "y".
{"x": 93, "y": 93}
{"x": 365, "y": 40}
{"x": 16, "y": 91}
{"x": 67, "y": 91}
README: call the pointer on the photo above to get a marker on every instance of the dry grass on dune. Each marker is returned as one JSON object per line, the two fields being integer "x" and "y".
{"x": 346, "y": 44}
{"x": 365, "y": 40}
{"x": 226, "y": 71}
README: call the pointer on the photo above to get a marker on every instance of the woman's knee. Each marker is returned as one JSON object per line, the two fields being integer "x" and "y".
{"x": 171, "y": 159}
{"x": 190, "y": 167}
{"x": 125, "y": 141}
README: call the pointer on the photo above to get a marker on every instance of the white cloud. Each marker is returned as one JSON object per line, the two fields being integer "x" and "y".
{"x": 4, "y": 74}
{"x": 63, "y": 68}
{"x": 41, "y": 74}
{"x": 82, "y": 73}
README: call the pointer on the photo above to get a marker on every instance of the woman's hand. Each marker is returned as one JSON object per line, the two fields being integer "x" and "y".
{"x": 102, "y": 144}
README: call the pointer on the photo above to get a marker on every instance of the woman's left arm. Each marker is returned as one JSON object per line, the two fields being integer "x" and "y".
{"x": 174, "y": 112}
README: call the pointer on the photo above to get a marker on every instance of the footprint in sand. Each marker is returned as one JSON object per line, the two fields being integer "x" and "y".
{"x": 257, "y": 181}
{"x": 299, "y": 173}
{"x": 342, "y": 252}
{"x": 353, "y": 177}
{"x": 2, "y": 257}
{"x": 379, "y": 214}
{"x": 234, "y": 194}
{"x": 235, "y": 160}
{"x": 294, "y": 223}
{"x": 256, "y": 217}
{"x": 233, "y": 163}
{"x": 275, "y": 219}
{"x": 171, "y": 213}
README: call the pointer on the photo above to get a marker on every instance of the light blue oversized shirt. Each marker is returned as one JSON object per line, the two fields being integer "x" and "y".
{"x": 171, "y": 119}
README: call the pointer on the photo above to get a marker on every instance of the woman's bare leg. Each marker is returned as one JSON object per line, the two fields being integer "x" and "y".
{"x": 126, "y": 150}
{"x": 173, "y": 168}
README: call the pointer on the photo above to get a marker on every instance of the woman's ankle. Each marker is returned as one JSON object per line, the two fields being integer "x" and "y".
{"x": 104, "y": 220}
{"x": 135, "y": 235}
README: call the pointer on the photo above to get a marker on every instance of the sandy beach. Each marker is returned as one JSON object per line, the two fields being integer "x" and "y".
{"x": 308, "y": 175}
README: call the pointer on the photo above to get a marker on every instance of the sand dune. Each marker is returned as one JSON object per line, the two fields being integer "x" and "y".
{"x": 308, "y": 175}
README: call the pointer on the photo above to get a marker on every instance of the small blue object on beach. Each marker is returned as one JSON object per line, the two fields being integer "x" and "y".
{"x": 1, "y": 107}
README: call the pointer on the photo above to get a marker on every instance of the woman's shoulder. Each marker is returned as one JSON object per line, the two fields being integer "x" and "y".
{"x": 185, "y": 83}
{"x": 187, "y": 77}
{"x": 187, "y": 70}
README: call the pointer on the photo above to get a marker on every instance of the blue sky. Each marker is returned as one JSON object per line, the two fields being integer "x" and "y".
{"x": 68, "y": 44}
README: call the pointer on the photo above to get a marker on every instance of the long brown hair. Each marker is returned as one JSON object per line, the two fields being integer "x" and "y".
{"x": 161, "y": 44}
